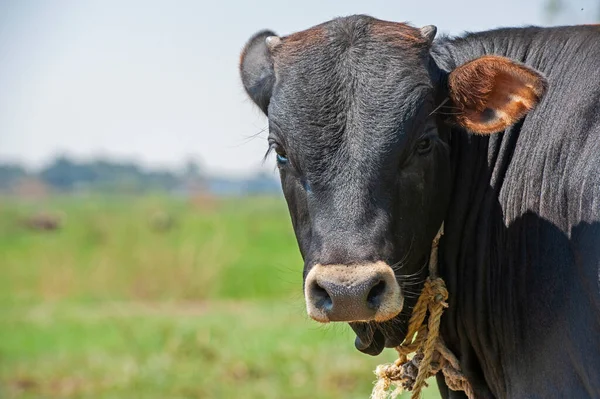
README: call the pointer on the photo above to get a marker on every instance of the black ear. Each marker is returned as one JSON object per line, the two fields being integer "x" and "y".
{"x": 256, "y": 69}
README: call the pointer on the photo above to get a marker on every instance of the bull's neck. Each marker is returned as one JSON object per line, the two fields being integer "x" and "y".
{"x": 472, "y": 244}
{"x": 488, "y": 268}
{"x": 466, "y": 259}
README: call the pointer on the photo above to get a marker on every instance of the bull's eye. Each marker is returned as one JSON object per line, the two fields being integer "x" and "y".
{"x": 424, "y": 145}
{"x": 281, "y": 159}
{"x": 281, "y": 156}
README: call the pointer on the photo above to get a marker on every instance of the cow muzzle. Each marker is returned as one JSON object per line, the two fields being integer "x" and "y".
{"x": 367, "y": 292}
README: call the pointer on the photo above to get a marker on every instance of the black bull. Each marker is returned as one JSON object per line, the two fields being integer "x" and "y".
{"x": 382, "y": 134}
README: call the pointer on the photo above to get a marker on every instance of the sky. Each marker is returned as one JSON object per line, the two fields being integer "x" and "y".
{"x": 157, "y": 81}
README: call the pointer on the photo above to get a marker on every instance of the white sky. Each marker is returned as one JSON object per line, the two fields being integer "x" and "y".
{"x": 157, "y": 81}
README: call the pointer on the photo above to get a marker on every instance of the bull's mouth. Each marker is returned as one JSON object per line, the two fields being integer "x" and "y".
{"x": 372, "y": 337}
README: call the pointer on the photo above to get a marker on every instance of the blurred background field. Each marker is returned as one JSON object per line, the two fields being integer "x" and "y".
{"x": 116, "y": 302}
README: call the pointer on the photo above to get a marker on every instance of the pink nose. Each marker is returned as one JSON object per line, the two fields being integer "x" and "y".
{"x": 352, "y": 293}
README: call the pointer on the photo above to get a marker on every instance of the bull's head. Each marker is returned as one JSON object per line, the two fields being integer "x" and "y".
{"x": 364, "y": 159}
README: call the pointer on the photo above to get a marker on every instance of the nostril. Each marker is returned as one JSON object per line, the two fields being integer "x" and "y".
{"x": 320, "y": 297}
{"x": 375, "y": 296}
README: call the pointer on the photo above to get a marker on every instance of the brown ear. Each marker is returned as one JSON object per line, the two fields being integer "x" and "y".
{"x": 493, "y": 92}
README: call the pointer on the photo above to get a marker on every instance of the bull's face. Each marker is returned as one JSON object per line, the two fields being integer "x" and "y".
{"x": 364, "y": 161}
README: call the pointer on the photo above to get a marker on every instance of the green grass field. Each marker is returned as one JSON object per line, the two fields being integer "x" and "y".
{"x": 110, "y": 307}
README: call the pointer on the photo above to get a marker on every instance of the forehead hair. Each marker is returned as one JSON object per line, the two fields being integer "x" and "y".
{"x": 347, "y": 84}
{"x": 354, "y": 31}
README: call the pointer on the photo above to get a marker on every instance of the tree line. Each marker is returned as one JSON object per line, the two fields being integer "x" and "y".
{"x": 66, "y": 175}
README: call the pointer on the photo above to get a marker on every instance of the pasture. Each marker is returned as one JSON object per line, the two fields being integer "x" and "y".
{"x": 116, "y": 304}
